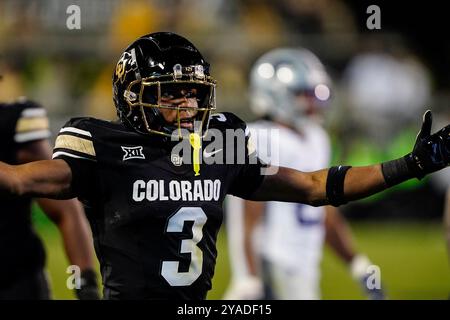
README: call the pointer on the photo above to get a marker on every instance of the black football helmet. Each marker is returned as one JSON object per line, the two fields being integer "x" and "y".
{"x": 158, "y": 65}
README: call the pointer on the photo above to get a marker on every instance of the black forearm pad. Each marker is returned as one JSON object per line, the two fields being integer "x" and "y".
{"x": 396, "y": 171}
{"x": 335, "y": 185}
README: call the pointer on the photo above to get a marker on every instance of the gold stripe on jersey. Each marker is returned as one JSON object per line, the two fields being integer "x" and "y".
{"x": 32, "y": 124}
{"x": 70, "y": 142}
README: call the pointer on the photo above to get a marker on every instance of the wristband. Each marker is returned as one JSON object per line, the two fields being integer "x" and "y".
{"x": 396, "y": 171}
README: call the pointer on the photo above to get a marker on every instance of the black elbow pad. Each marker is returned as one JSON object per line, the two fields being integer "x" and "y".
{"x": 335, "y": 185}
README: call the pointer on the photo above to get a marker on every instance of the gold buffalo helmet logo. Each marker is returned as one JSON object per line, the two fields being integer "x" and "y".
{"x": 121, "y": 66}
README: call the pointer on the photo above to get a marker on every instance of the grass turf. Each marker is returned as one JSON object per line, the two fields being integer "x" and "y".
{"x": 412, "y": 257}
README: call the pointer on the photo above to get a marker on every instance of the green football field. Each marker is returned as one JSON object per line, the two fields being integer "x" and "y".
{"x": 412, "y": 258}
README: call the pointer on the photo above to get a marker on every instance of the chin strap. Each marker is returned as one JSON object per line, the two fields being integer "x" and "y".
{"x": 196, "y": 143}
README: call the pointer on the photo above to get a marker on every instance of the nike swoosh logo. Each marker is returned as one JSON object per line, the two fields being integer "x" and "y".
{"x": 209, "y": 154}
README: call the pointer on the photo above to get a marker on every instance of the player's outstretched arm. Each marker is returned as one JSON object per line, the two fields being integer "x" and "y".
{"x": 339, "y": 185}
{"x": 70, "y": 218}
{"x": 291, "y": 185}
{"x": 46, "y": 179}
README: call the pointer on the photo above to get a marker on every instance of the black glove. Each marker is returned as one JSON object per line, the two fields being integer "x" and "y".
{"x": 88, "y": 287}
{"x": 431, "y": 151}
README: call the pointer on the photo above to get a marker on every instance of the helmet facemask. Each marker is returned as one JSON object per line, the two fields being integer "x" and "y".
{"x": 152, "y": 96}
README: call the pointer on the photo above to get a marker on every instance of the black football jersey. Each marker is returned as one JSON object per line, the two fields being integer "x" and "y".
{"x": 20, "y": 248}
{"x": 154, "y": 215}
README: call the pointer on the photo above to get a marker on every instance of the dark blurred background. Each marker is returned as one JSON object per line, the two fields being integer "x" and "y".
{"x": 383, "y": 80}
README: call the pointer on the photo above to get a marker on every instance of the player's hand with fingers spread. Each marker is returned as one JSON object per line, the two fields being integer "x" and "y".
{"x": 431, "y": 153}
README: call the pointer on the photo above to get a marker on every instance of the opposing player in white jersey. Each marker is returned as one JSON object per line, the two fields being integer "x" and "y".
{"x": 273, "y": 255}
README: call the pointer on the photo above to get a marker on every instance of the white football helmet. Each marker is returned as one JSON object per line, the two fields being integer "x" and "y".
{"x": 289, "y": 85}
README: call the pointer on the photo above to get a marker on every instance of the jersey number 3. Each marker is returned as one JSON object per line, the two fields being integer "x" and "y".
{"x": 169, "y": 269}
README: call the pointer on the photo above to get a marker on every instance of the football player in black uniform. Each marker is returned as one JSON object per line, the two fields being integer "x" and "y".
{"x": 25, "y": 133}
{"x": 155, "y": 211}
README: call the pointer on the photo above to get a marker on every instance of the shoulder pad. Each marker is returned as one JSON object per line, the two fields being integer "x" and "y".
{"x": 25, "y": 103}
{"x": 226, "y": 120}
{"x": 77, "y": 122}
{"x": 90, "y": 125}
{"x": 31, "y": 123}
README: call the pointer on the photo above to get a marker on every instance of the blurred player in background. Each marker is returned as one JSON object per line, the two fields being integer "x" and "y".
{"x": 25, "y": 132}
{"x": 276, "y": 247}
